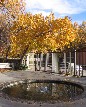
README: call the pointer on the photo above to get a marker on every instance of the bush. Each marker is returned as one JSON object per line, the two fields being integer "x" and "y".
{"x": 23, "y": 67}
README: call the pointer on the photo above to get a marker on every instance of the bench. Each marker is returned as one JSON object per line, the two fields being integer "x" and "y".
{"x": 5, "y": 66}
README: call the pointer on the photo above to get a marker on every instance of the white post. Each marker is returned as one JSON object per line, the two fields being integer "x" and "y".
{"x": 65, "y": 61}
{"x": 70, "y": 64}
{"x": 46, "y": 61}
{"x": 75, "y": 62}
{"x": 28, "y": 61}
{"x": 32, "y": 59}
{"x": 55, "y": 60}
{"x": 41, "y": 59}
{"x": 37, "y": 61}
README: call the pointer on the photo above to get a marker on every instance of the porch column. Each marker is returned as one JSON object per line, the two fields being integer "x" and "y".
{"x": 28, "y": 61}
{"x": 37, "y": 62}
{"x": 41, "y": 59}
{"x": 70, "y": 65}
{"x": 75, "y": 64}
{"x": 46, "y": 61}
{"x": 65, "y": 62}
{"x": 55, "y": 65}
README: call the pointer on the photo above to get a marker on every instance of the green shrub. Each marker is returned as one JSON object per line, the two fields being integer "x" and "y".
{"x": 23, "y": 67}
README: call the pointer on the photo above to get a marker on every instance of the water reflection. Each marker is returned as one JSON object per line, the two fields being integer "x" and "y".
{"x": 44, "y": 91}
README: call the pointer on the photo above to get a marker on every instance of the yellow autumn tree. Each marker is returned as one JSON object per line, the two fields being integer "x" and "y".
{"x": 80, "y": 39}
{"x": 82, "y": 33}
{"x": 27, "y": 33}
{"x": 61, "y": 33}
{"x": 9, "y": 10}
{"x": 64, "y": 32}
{"x": 36, "y": 33}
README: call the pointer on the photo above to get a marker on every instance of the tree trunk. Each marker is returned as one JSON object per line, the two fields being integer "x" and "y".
{"x": 23, "y": 54}
{"x": 8, "y": 49}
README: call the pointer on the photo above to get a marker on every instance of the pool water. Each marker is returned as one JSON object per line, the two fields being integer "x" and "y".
{"x": 40, "y": 90}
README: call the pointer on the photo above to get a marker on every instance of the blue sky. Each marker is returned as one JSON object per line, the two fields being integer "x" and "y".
{"x": 76, "y": 9}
